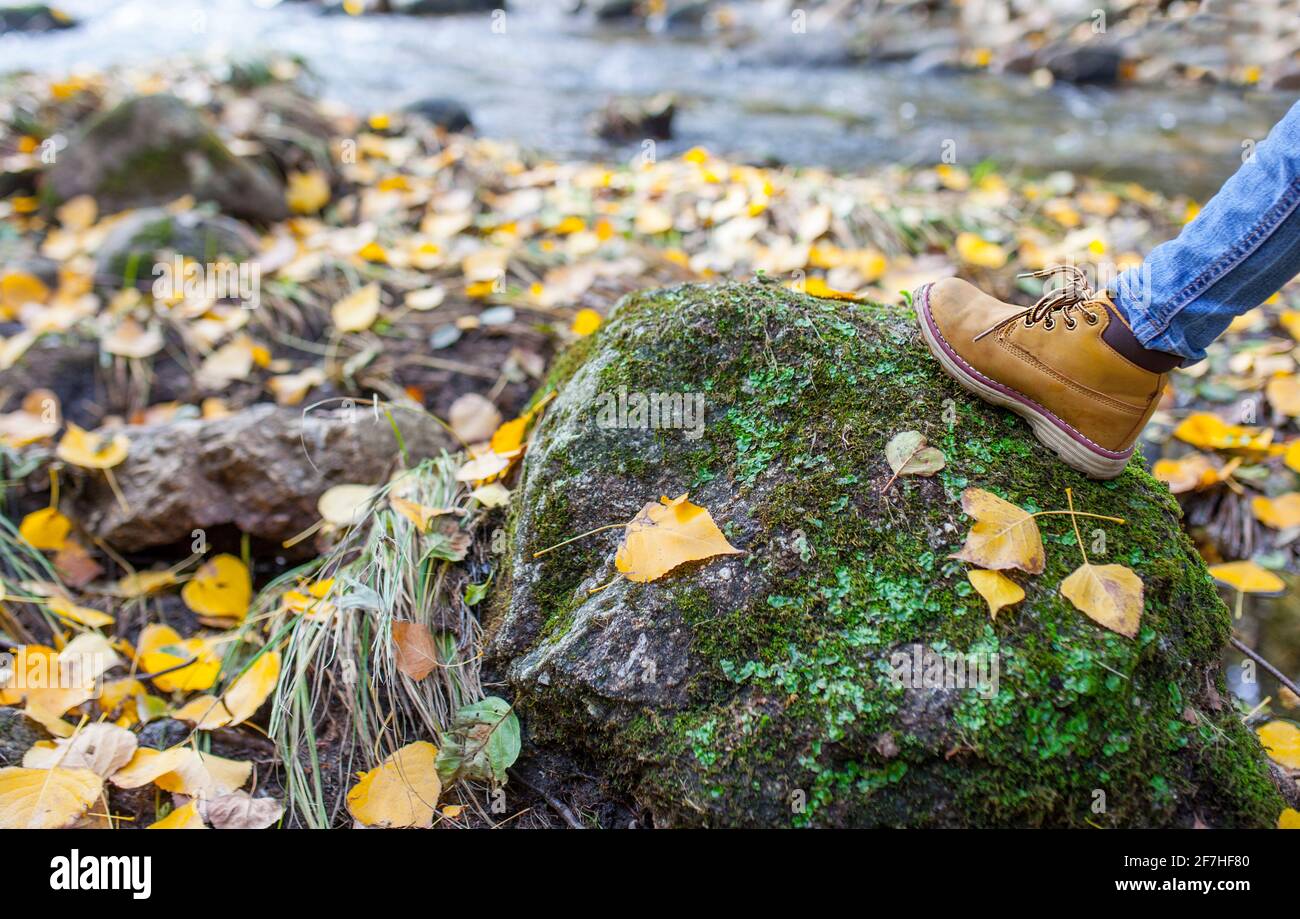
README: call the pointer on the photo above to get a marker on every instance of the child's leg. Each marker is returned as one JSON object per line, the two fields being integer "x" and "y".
{"x": 1240, "y": 250}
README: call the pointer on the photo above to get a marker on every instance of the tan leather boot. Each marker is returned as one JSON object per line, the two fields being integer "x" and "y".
{"x": 1069, "y": 365}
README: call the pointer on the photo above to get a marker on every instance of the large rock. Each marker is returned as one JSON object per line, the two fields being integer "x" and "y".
{"x": 143, "y": 240}
{"x": 33, "y": 17}
{"x": 261, "y": 470}
{"x": 154, "y": 149}
{"x": 1086, "y": 64}
{"x": 758, "y": 689}
{"x": 626, "y": 119}
{"x": 443, "y": 112}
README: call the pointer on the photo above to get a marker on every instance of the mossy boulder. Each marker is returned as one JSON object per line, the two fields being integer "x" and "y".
{"x": 759, "y": 689}
{"x": 150, "y": 150}
{"x": 149, "y": 237}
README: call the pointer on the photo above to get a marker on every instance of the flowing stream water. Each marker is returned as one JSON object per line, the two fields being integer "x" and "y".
{"x": 540, "y": 80}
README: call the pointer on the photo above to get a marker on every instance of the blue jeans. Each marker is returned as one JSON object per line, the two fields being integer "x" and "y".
{"x": 1240, "y": 249}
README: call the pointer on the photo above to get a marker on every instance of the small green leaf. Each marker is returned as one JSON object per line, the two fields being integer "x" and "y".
{"x": 908, "y": 454}
{"x": 474, "y": 593}
{"x": 482, "y": 744}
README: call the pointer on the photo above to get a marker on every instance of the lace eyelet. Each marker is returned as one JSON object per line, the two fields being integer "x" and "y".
{"x": 1049, "y": 324}
{"x": 1071, "y": 325}
{"x": 1093, "y": 318}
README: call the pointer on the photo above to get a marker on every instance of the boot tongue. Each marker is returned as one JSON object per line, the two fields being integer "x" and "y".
{"x": 1120, "y": 337}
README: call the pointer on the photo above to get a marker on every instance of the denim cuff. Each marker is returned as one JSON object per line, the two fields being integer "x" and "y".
{"x": 1149, "y": 334}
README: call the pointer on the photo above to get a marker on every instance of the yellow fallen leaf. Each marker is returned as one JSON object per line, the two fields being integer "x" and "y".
{"x": 996, "y": 588}
{"x": 401, "y": 792}
{"x": 154, "y": 637}
{"x": 205, "y": 712}
{"x": 148, "y": 764}
{"x": 473, "y": 418}
{"x": 1108, "y": 594}
{"x": 46, "y": 706}
{"x": 14, "y": 347}
{"x": 977, "y": 251}
{"x": 307, "y": 192}
{"x": 118, "y": 693}
{"x": 143, "y": 583}
{"x": 817, "y": 287}
{"x": 80, "y": 447}
{"x": 19, "y": 288}
{"x": 358, "y": 310}
{"x": 291, "y": 388}
{"x": 131, "y": 339}
{"x": 222, "y": 588}
{"x": 585, "y": 322}
{"x": 185, "y": 817}
{"x": 195, "y": 676}
{"x": 46, "y": 529}
{"x": 101, "y": 748}
{"x": 79, "y": 213}
{"x": 482, "y": 468}
{"x": 373, "y": 252}
{"x": 160, "y": 647}
{"x": 1248, "y": 577}
{"x": 1289, "y": 820}
{"x": 1193, "y": 472}
{"x": 667, "y": 534}
{"x": 1060, "y": 210}
{"x": 1003, "y": 536}
{"x": 45, "y": 799}
{"x": 1281, "y": 740}
{"x": 232, "y": 361}
{"x": 652, "y": 219}
{"x": 183, "y": 771}
{"x": 428, "y": 299}
{"x": 83, "y": 615}
{"x": 952, "y": 177}
{"x": 510, "y": 436}
{"x": 310, "y": 604}
{"x": 418, "y": 514}
{"x": 87, "y": 657}
{"x": 1284, "y": 395}
{"x": 246, "y": 695}
{"x": 485, "y": 265}
{"x": 37, "y": 419}
{"x": 492, "y": 495}
{"x": 1210, "y": 432}
{"x": 1280, "y": 513}
{"x": 345, "y": 505}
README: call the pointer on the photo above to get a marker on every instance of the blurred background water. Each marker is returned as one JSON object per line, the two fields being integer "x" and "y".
{"x": 789, "y": 98}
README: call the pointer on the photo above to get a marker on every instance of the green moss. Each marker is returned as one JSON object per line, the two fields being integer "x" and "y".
{"x": 792, "y": 717}
{"x": 161, "y": 171}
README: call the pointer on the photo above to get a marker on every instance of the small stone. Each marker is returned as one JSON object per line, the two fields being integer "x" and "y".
{"x": 260, "y": 470}
{"x": 444, "y": 336}
{"x": 497, "y": 315}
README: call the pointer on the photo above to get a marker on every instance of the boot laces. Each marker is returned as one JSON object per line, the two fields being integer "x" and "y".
{"x": 1065, "y": 300}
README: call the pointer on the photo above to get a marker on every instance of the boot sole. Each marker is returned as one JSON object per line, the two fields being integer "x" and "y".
{"x": 1067, "y": 442}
